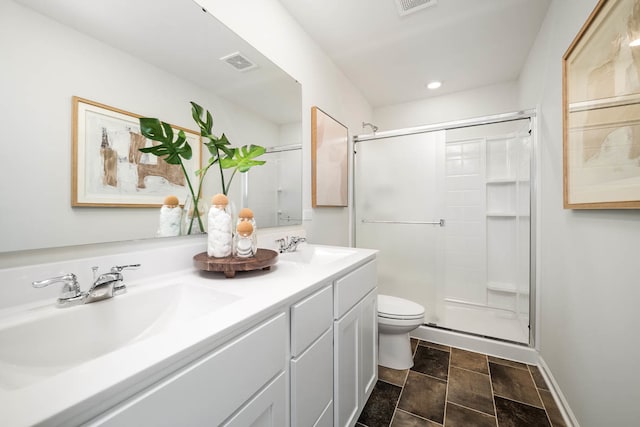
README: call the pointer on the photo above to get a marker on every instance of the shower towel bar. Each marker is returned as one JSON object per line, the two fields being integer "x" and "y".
{"x": 441, "y": 222}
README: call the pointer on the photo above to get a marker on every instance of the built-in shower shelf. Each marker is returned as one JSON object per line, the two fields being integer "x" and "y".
{"x": 507, "y": 214}
{"x": 511, "y": 180}
{"x": 502, "y": 287}
{"x": 501, "y": 180}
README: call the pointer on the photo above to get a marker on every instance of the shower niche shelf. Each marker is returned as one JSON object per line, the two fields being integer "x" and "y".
{"x": 507, "y": 191}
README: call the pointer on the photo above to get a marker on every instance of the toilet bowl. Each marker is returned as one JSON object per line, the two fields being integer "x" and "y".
{"x": 396, "y": 318}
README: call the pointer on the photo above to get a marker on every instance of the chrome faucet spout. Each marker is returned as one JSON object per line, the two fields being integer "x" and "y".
{"x": 289, "y": 244}
{"x": 109, "y": 284}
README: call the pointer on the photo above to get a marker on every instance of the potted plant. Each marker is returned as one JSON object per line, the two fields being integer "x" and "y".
{"x": 175, "y": 148}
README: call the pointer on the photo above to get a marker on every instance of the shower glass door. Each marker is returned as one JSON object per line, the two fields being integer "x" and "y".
{"x": 472, "y": 273}
{"x": 397, "y": 212}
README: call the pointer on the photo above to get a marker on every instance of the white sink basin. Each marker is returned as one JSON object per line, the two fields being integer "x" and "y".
{"x": 40, "y": 343}
{"x": 316, "y": 255}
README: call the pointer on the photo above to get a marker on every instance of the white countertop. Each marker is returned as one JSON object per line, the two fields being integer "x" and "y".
{"x": 67, "y": 398}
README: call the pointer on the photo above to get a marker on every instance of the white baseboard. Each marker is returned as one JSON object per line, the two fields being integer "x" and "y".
{"x": 563, "y": 405}
{"x": 504, "y": 350}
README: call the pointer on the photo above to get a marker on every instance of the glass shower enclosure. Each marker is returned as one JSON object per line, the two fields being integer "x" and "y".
{"x": 449, "y": 211}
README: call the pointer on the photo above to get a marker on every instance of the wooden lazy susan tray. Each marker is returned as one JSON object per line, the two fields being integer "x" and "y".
{"x": 263, "y": 260}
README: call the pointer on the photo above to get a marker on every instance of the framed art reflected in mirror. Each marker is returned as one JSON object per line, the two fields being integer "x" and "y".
{"x": 108, "y": 169}
{"x": 601, "y": 110}
{"x": 329, "y": 160}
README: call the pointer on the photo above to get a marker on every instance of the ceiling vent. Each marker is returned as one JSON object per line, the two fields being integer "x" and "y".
{"x": 239, "y": 61}
{"x": 405, "y": 7}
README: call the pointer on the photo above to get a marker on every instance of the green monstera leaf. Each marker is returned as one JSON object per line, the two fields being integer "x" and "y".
{"x": 171, "y": 151}
{"x": 174, "y": 149}
{"x": 243, "y": 158}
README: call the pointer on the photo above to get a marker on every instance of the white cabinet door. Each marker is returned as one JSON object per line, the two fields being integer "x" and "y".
{"x": 210, "y": 390}
{"x": 356, "y": 359}
{"x": 267, "y": 409}
{"x": 346, "y": 395}
{"x": 312, "y": 382}
{"x": 368, "y": 345}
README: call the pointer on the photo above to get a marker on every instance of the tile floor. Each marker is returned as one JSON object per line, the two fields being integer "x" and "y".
{"x": 457, "y": 388}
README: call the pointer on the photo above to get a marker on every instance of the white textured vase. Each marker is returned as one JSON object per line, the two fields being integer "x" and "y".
{"x": 220, "y": 231}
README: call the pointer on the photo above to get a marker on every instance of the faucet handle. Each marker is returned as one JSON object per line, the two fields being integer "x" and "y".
{"x": 119, "y": 268}
{"x": 119, "y": 287}
{"x": 70, "y": 291}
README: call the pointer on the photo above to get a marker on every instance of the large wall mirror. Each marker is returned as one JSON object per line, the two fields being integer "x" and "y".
{"x": 148, "y": 57}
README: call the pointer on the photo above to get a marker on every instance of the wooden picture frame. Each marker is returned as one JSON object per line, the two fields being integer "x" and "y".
{"x": 601, "y": 110}
{"x": 329, "y": 161}
{"x": 108, "y": 170}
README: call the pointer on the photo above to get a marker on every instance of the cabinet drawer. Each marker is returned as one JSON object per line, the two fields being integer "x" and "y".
{"x": 267, "y": 409}
{"x": 310, "y": 318}
{"x": 211, "y": 389}
{"x": 351, "y": 288}
{"x": 312, "y": 382}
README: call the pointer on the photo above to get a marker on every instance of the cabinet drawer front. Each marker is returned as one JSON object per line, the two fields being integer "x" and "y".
{"x": 208, "y": 391}
{"x": 312, "y": 382}
{"x": 310, "y": 318}
{"x": 267, "y": 409}
{"x": 353, "y": 287}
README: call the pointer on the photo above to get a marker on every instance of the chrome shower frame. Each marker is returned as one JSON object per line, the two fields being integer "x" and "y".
{"x": 478, "y": 121}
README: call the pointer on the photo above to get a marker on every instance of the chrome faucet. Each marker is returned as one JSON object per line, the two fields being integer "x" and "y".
{"x": 108, "y": 285}
{"x": 104, "y": 286}
{"x": 289, "y": 244}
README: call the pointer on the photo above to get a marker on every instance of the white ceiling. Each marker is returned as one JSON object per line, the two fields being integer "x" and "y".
{"x": 178, "y": 37}
{"x": 464, "y": 43}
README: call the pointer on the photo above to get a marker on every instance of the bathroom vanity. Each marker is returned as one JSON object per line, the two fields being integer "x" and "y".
{"x": 292, "y": 346}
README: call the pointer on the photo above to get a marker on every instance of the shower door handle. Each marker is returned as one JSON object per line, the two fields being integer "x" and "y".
{"x": 440, "y": 222}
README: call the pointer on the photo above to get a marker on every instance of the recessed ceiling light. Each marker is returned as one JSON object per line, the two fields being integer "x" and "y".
{"x": 434, "y": 85}
{"x": 636, "y": 42}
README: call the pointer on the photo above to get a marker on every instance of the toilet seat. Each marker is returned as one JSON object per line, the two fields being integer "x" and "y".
{"x": 390, "y": 307}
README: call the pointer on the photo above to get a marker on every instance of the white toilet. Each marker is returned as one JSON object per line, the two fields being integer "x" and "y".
{"x": 396, "y": 318}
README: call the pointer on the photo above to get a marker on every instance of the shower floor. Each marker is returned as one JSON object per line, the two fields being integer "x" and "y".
{"x": 486, "y": 322}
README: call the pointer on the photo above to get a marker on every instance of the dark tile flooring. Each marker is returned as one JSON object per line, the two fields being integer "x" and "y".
{"x": 457, "y": 388}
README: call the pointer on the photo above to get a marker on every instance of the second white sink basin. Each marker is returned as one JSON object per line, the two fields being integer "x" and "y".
{"x": 43, "y": 342}
{"x": 316, "y": 255}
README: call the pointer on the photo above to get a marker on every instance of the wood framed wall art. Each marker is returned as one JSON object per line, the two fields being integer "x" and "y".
{"x": 329, "y": 160}
{"x": 601, "y": 110}
{"x": 108, "y": 170}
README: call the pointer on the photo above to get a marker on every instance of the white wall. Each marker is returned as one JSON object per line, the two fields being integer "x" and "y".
{"x": 270, "y": 29}
{"x": 44, "y": 65}
{"x": 494, "y": 99}
{"x": 589, "y": 281}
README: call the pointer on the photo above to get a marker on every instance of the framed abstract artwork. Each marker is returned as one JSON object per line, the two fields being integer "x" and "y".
{"x": 329, "y": 160}
{"x": 108, "y": 169}
{"x": 601, "y": 110}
